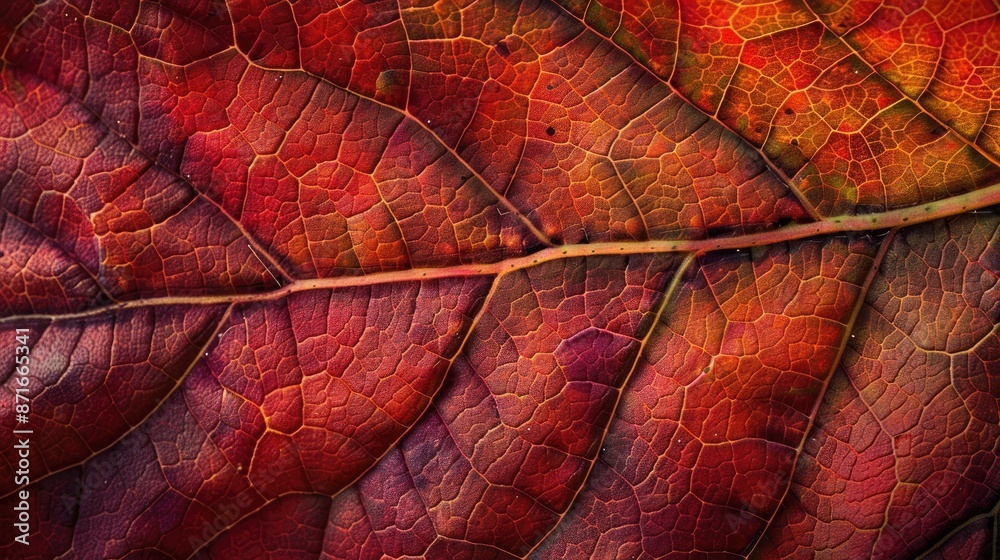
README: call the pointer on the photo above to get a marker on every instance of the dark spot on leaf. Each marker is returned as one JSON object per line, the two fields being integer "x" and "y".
{"x": 548, "y": 86}
{"x": 788, "y": 110}
{"x": 550, "y": 131}
{"x": 102, "y": 300}
{"x": 502, "y": 49}
{"x": 795, "y": 141}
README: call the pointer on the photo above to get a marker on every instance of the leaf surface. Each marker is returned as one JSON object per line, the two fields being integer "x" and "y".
{"x": 497, "y": 279}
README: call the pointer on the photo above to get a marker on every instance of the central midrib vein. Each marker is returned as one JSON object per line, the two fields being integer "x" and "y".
{"x": 968, "y": 202}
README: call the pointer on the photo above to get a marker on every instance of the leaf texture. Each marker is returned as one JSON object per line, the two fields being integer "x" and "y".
{"x": 501, "y": 279}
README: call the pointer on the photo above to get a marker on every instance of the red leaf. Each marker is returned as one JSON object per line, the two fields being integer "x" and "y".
{"x": 368, "y": 279}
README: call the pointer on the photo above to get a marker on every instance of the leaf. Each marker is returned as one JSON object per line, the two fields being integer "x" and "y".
{"x": 501, "y": 280}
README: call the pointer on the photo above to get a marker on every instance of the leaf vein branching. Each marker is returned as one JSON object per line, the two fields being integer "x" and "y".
{"x": 913, "y": 215}
{"x": 786, "y": 180}
{"x": 209, "y": 340}
{"x": 845, "y": 339}
{"x": 668, "y": 296}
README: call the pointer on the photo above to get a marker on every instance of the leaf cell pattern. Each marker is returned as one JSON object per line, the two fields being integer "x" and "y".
{"x": 502, "y": 279}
